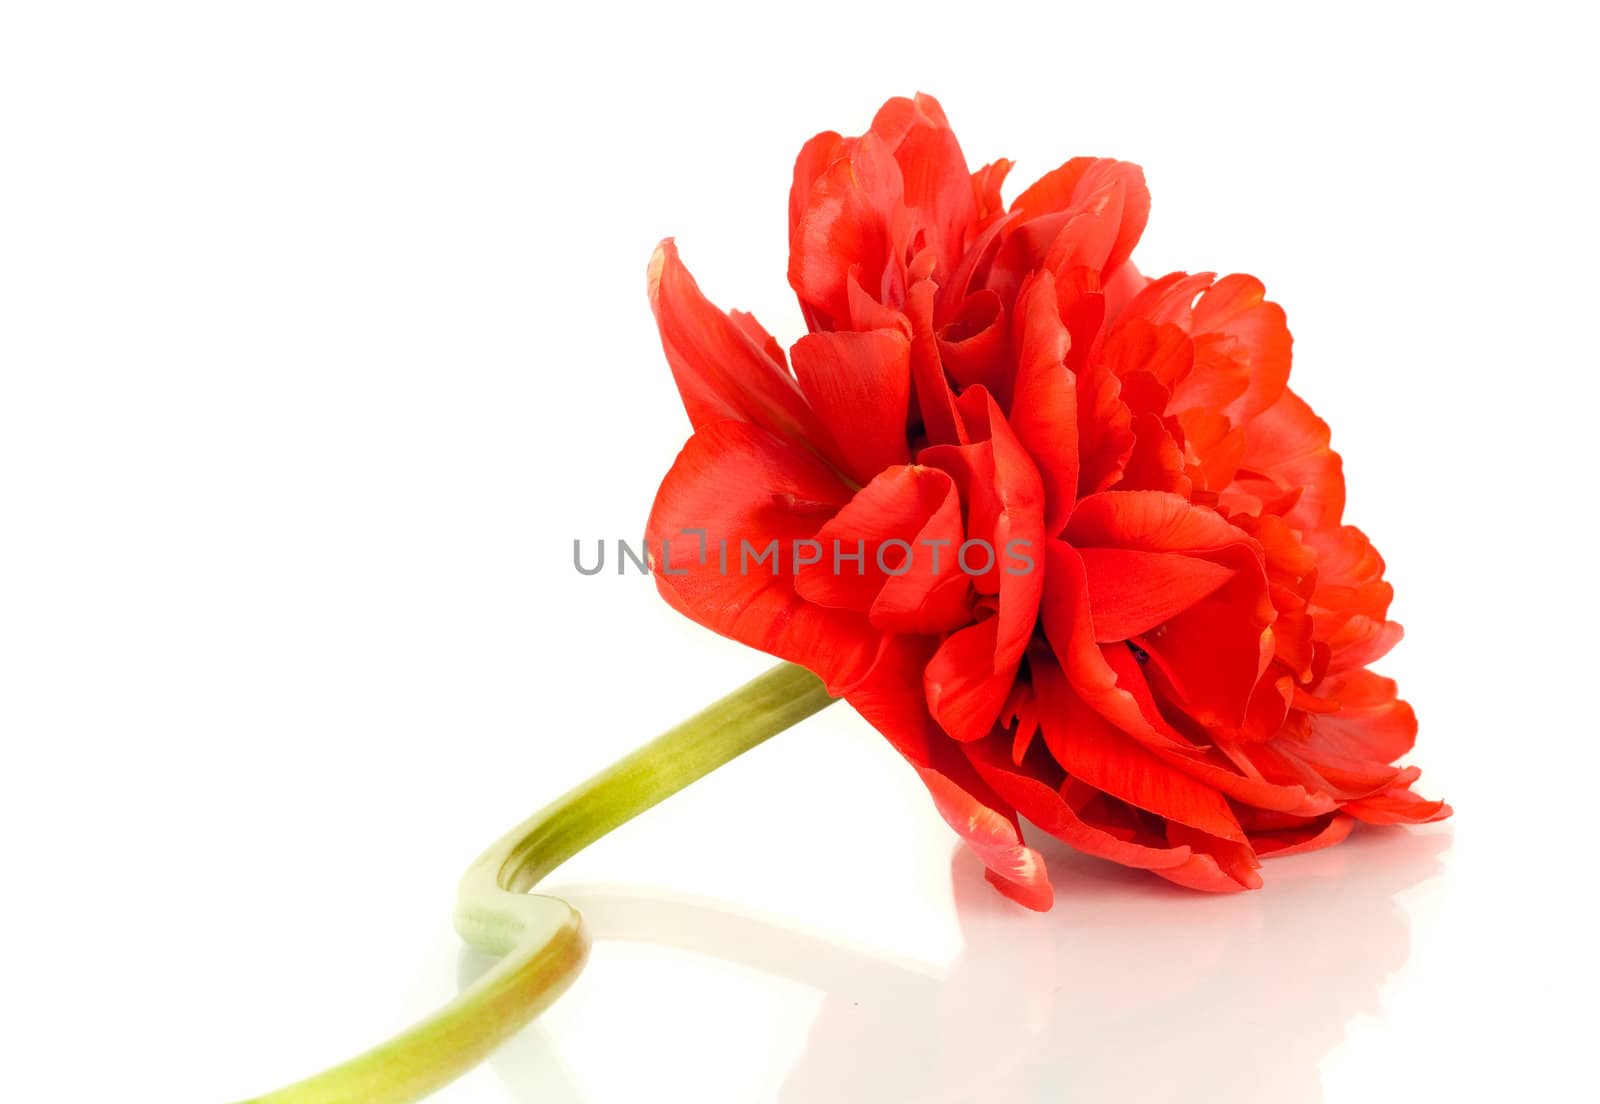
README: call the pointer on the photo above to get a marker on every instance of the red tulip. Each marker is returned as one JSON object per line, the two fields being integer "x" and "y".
{"x": 1162, "y": 659}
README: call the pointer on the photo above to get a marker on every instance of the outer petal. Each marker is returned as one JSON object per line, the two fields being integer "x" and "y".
{"x": 1312, "y": 835}
{"x": 1288, "y": 445}
{"x": 1350, "y": 602}
{"x": 1014, "y": 868}
{"x": 1231, "y": 861}
{"x": 1235, "y": 321}
{"x": 721, "y": 368}
{"x": 1241, "y": 341}
{"x": 1398, "y": 805}
{"x": 853, "y": 221}
{"x": 1371, "y": 722}
{"x": 816, "y": 156}
{"x": 738, "y": 483}
{"x": 1205, "y": 873}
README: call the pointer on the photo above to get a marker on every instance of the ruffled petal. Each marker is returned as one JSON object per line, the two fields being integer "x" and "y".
{"x": 1044, "y": 405}
{"x": 1012, "y": 867}
{"x": 986, "y": 184}
{"x": 937, "y": 184}
{"x": 973, "y": 345}
{"x": 1297, "y": 839}
{"x": 1089, "y": 186}
{"x": 1287, "y": 444}
{"x": 859, "y": 384}
{"x": 1069, "y": 628}
{"x": 969, "y": 678}
{"x": 1131, "y": 592}
{"x": 1210, "y": 656}
{"x": 1398, "y": 805}
{"x": 980, "y": 816}
{"x": 1151, "y": 522}
{"x": 737, "y": 491}
{"x": 1046, "y": 806}
{"x": 851, "y": 223}
{"x": 1240, "y": 340}
{"x": 967, "y": 683}
{"x": 1369, "y": 720}
{"x": 890, "y": 553}
{"x": 721, "y": 365}
{"x": 1092, "y": 751}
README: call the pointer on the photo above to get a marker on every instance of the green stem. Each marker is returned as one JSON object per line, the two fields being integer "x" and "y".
{"x": 543, "y": 939}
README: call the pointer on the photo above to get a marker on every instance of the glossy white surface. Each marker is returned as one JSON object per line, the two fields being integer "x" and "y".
{"x": 322, "y": 336}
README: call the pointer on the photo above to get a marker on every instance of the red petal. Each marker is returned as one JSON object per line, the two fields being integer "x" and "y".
{"x": 1234, "y": 859}
{"x": 1241, "y": 342}
{"x": 1094, "y": 752}
{"x": 1208, "y": 765}
{"x": 973, "y": 346}
{"x": 1105, "y": 426}
{"x": 1068, "y": 626}
{"x": 1152, "y": 522}
{"x": 938, "y": 185}
{"x": 1013, "y": 868}
{"x": 1132, "y": 592}
{"x": 967, "y": 683}
{"x": 1235, "y": 321}
{"x": 936, "y": 401}
{"x": 890, "y": 699}
{"x": 1360, "y": 641}
{"x": 1288, "y": 444}
{"x": 1005, "y": 507}
{"x": 722, "y": 370}
{"x": 971, "y": 675}
{"x": 1045, "y": 806}
{"x": 847, "y": 223}
{"x": 1313, "y": 835}
{"x": 816, "y": 156}
{"x": 1370, "y": 721}
{"x": 1156, "y": 462}
{"x": 1204, "y": 873}
{"x": 860, "y": 386}
{"x": 1208, "y": 658}
{"x": 1087, "y": 184}
{"x": 915, "y": 505}
{"x": 739, "y": 484}
{"x": 1398, "y": 806}
{"x": 1044, "y": 406}
{"x": 986, "y": 183}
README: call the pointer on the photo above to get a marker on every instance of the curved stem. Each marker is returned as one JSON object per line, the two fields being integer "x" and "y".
{"x": 543, "y": 939}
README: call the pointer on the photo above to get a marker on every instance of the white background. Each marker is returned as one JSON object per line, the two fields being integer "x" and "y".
{"x": 323, "y": 333}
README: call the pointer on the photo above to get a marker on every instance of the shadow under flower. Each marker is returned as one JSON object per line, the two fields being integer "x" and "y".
{"x": 1129, "y": 988}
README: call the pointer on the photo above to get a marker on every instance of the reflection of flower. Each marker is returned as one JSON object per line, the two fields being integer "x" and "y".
{"x": 1105, "y": 1004}
{"x": 1178, "y": 680}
